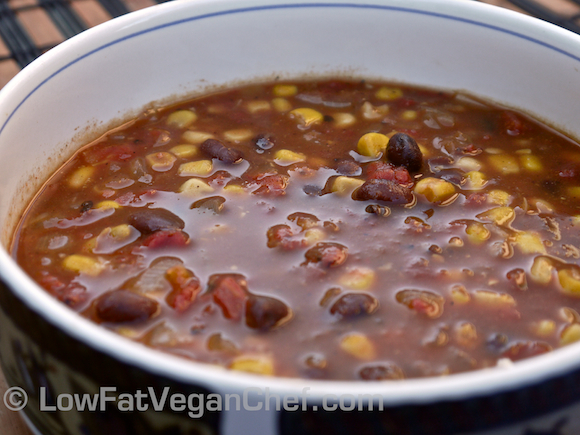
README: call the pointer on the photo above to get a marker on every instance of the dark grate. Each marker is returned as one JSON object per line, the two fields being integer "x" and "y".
{"x": 28, "y": 28}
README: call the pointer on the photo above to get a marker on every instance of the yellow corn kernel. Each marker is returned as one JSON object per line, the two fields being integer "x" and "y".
{"x": 498, "y": 215}
{"x": 531, "y": 162}
{"x": 459, "y": 294}
{"x": 371, "y": 112}
{"x": 198, "y": 168}
{"x": 83, "y": 264}
{"x": 342, "y": 120}
{"x": 345, "y": 185}
{"x": 499, "y": 197}
{"x": 494, "y": 150}
{"x": 477, "y": 233}
{"x": 161, "y": 161}
{"x": 313, "y": 236}
{"x": 575, "y": 220}
{"x": 185, "y": 151}
{"x": 569, "y": 315}
{"x": 409, "y": 115}
{"x": 258, "y": 364}
{"x": 258, "y": 106}
{"x": 234, "y": 188}
{"x": 287, "y": 157}
{"x": 530, "y": 243}
{"x": 120, "y": 232}
{"x": 504, "y": 163}
{"x": 570, "y": 334}
{"x": 570, "y": 281}
{"x": 435, "y": 189}
{"x": 468, "y": 164}
{"x": 285, "y": 90}
{"x": 426, "y": 152}
{"x": 544, "y": 328}
{"x": 79, "y": 177}
{"x": 388, "y": 94}
{"x": 358, "y": 345}
{"x": 372, "y": 144}
{"x": 359, "y": 278}
{"x": 195, "y": 186}
{"x": 196, "y": 137}
{"x": 108, "y": 204}
{"x": 524, "y": 151}
{"x": 466, "y": 334}
{"x": 307, "y": 116}
{"x": 541, "y": 270}
{"x": 281, "y": 104}
{"x": 574, "y": 191}
{"x": 181, "y": 118}
{"x": 475, "y": 180}
{"x": 238, "y": 135}
{"x": 493, "y": 299}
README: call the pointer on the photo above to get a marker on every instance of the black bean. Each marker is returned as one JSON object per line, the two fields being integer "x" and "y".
{"x": 264, "y": 312}
{"x": 311, "y": 190}
{"x": 383, "y": 190}
{"x": 348, "y": 167}
{"x": 119, "y": 306}
{"x": 264, "y": 142}
{"x": 327, "y": 254}
{"x": 151, "y": 220}
{"x": 352, "y": 305}
{"x": 86, "y": 206}
{"x": 213, "y": 203}
{"x": 217, "y": 150}
{"x": 402, "y": 150}
{"x": 381, "y": 372}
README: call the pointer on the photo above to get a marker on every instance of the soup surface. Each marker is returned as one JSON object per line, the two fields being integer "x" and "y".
{"x": 331, "y": 229}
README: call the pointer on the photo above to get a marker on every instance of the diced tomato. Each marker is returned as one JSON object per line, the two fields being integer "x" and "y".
{"x": 111, "y": 153}
{"x": 185, "y": 286}
{"x": 512, "y": 123}
{"x": 274, "y": 185}
{"x": 387, "y": 171}
{"x": 71, "y": 294}
{"x": 166, "y": 238}
{"x": 475, "y": 199}
{"x": 231, "y": 296}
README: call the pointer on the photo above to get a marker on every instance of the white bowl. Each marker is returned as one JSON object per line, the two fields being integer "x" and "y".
{"x": 106, "y": 74}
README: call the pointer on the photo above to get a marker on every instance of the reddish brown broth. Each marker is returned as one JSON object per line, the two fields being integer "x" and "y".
{"x": 273, "y": 264}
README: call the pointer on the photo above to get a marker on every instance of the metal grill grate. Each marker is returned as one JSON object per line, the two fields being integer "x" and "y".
{"x": 28, "y": 28}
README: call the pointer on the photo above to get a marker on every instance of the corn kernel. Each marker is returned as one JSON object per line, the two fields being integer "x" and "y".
{"x": 435, "y": 189}
{"x": 388, "y": 94}
{"x": 371, "y": 112}
{"x": 195, "y": 186}
{"x": 531, "y": 162}
{"x": 285, "y": 90}
{"x": 569, "y": 315}
{"x": 196, "y": 137}
{"x": 530, "y": 243}
{"x": 343, "y": 120}
{"x": 494, "y": 150}
{"x": 287, "y": 157}
{"x": 306, "y": 116}
{"x": 426, "y": 152}
{"x": 185, "y": 151}
{"x": 409, "y": 115}
{"x": 198, "y": 168}
{"x": 524, "y": 151}
{"x": 499, "y": 197}
{"x": 541, "y": 270}
{"x": 120, "y": 232}
{"x": 313, "y": 236}
{"x": 258, "y": 364}
{"x": 466, "y": 334}
{"x": 181, "y": 118}
{"x": 281, "y": 104}
{"x": 504, "y": 163}
{"x": 570, "y": 281}
{"x": 345, "y": 185}
{"x": 83, "y": 264}
{"x": 80, "y": 177}
{"x": 358, "y": 345}
{"x": 234, "y": 188}
{"x": 493, "y": 299}
{"x": 359, "y": 278}
{"x": 468, "y": 164}
{"x": 108, "y": 204}
{"x": 161, "y": 161}
{"x": 372, "y": 144}
{"x": 570, "y": 334}
{"x": 238, "y": 135}
{"x": 498, "y": 215}
{"x": 475, "y": 180}
{"x": 459, "y": 294}
{"x": 477, "y": 233}
{"x": 258, "y": 106}
{"x": 574, "y": 191}
{"x": 544, "y": 328}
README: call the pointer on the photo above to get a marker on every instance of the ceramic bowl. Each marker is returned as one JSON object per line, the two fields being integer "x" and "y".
{"x": 109, "y": 73}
